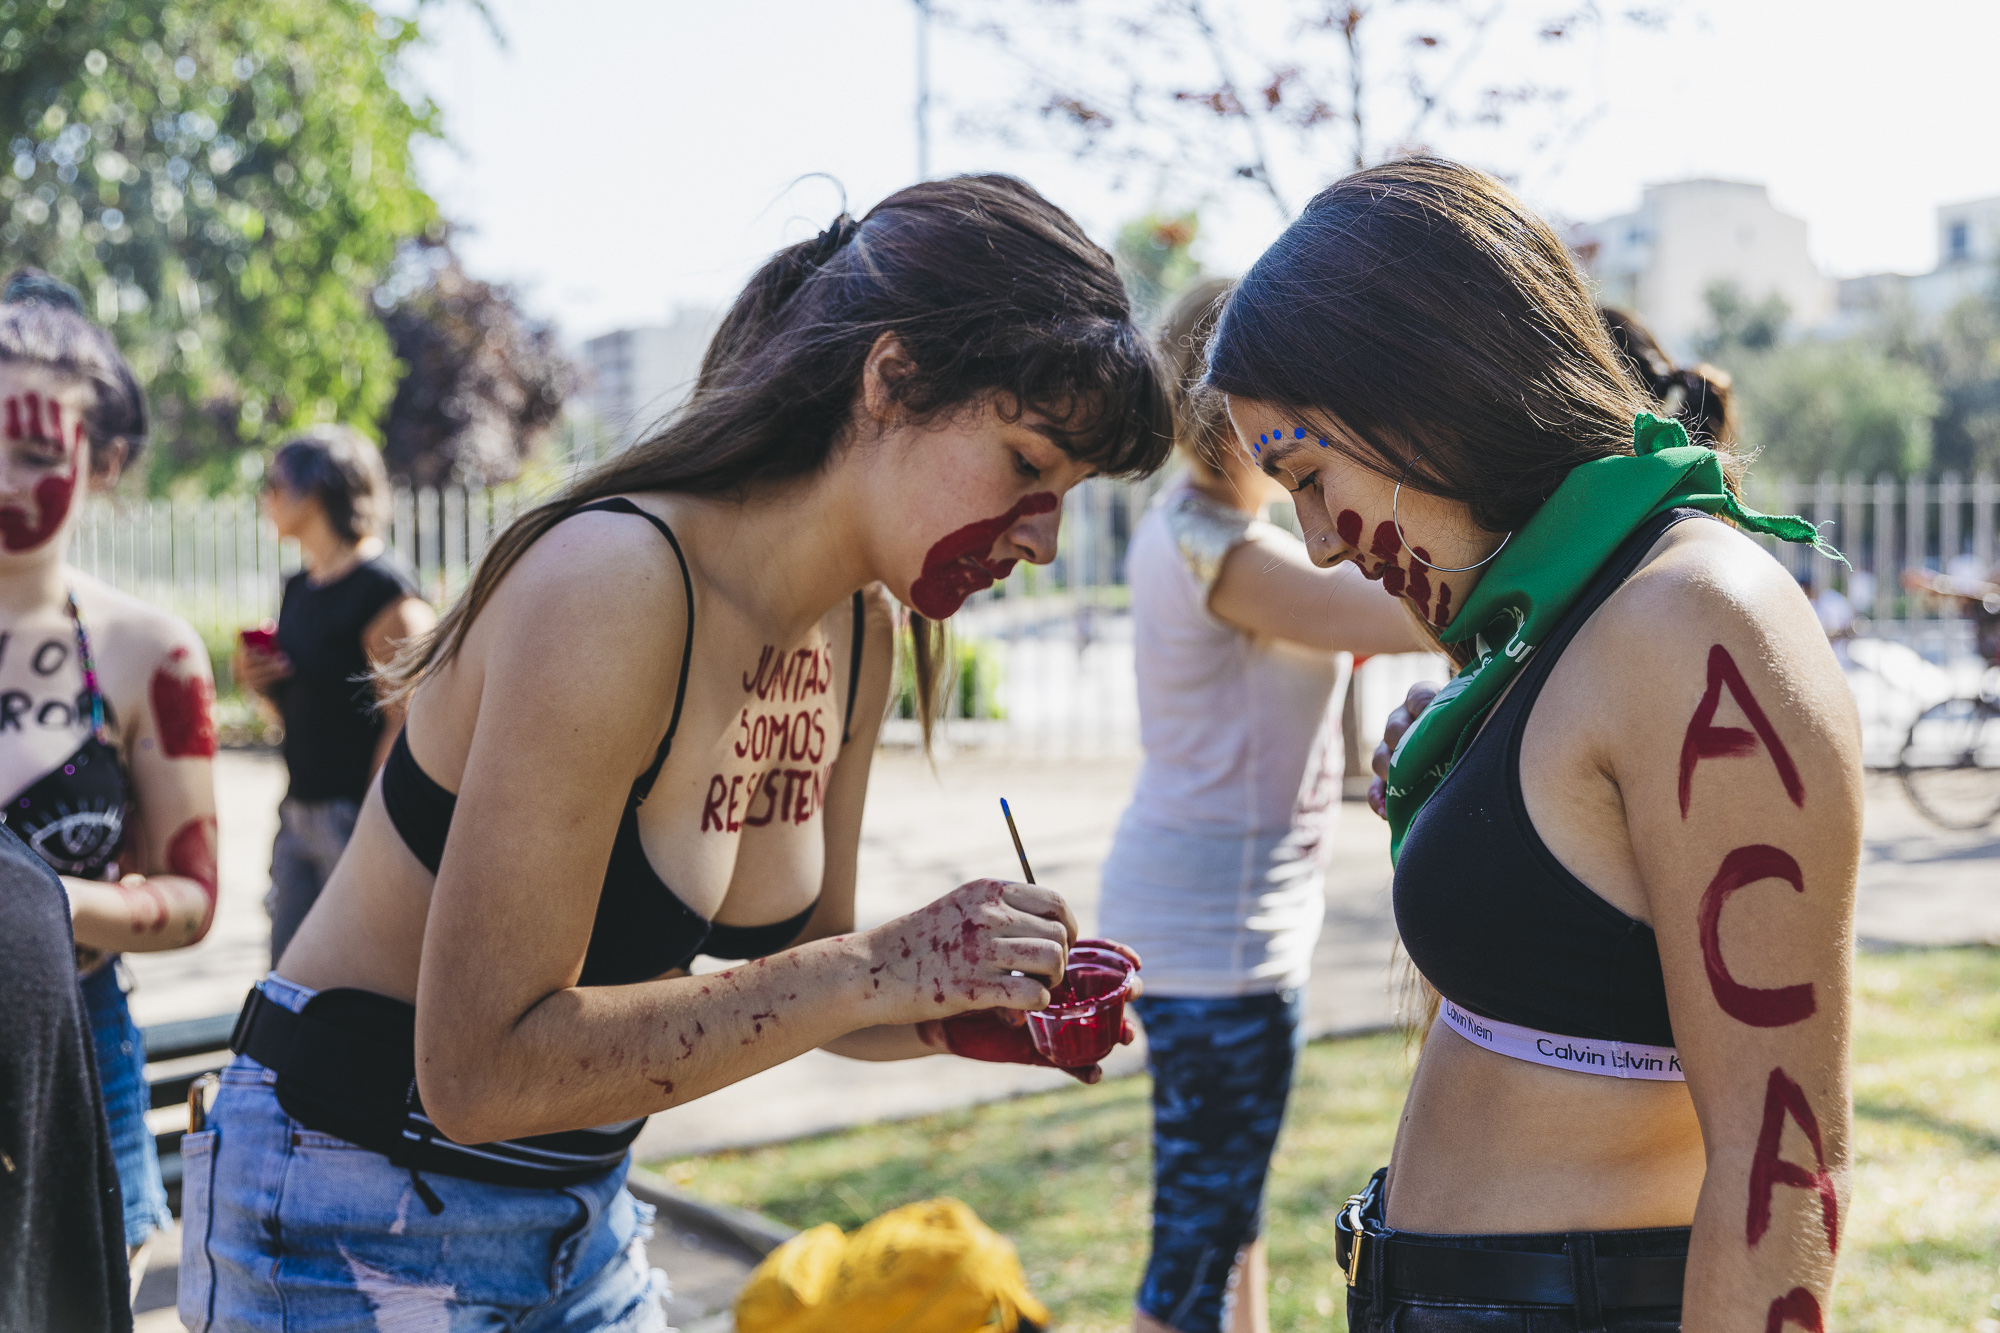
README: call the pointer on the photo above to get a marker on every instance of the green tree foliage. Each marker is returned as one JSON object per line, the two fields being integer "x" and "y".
{"x": 226, "y": 180}
{"x": 1156, "y": 257}
{"x": 1740, "y": 324}
{"x": 484, "y": 382}
{"x": 1964, "y": 358}
{"x": 1812, "y": 407}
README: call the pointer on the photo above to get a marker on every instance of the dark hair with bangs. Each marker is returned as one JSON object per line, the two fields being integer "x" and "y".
{"x": 994, "y": 292}
{"x": 42, "y": 324}
{"x": 1442, "y": 333}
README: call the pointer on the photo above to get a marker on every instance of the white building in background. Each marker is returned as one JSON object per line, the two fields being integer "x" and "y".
{"x": 640, "y": 375}
{"x": 1968, "y": 265}
{"x": 1686, "y": 236}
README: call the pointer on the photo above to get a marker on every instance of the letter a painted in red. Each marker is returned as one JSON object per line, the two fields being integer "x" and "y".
{"x": 1705, "y": 740}
{"x": 1783, "y": 1097}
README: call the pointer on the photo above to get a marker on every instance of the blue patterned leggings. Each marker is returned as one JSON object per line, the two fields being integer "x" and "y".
{"x": 1222, "y": 1069}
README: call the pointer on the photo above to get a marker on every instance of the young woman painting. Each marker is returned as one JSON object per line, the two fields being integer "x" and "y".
{"x": 1626, "y": 834}
{"x": 107, "y": 728}
{"x": 1217, "y": 875}
{"x": 644, "y": 734}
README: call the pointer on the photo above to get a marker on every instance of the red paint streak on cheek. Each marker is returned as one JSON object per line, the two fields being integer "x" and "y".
{"x": 1348, "y": 525}
{"x": 1759, "y": 1007}
{"x": 14, "y": 419}
{"x": 957, "y": 566}
{"x": 1705, "y": 740}
{"x": 1796, "y": 1306}
{"x": 1385, "y": 542}
{"x": 52, "y": 496}
{"x": 1442, "y": 616}
{"x": 184, "y": 708}
{"x": 1783, "y": 1098}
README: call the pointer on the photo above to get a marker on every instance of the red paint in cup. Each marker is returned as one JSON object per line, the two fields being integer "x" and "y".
{"x": 260, "y": 640}
{"x": 1086, "y": 1011}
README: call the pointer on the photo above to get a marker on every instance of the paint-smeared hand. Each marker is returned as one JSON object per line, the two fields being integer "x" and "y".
{"x": 1414, "y": 703}
{"x": 985, "y": 944}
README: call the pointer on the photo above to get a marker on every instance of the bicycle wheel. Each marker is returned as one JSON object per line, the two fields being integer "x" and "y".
{"x": 1950, "y": 763}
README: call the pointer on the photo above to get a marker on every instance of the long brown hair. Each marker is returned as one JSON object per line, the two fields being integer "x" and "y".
{"x": 1444, "y": 330}
{"x": 992, "y": 290}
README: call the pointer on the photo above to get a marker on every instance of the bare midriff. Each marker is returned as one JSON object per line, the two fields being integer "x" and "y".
{"x": 1490, "y": 1144}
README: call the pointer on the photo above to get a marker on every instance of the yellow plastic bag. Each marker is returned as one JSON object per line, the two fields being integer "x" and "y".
{"x": 929, "y": 1267}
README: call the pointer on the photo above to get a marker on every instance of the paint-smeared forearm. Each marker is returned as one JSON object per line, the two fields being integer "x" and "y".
{"x": 591, "y": 1055}
{"x": 1767, "y": 1232}
{"x": 141, "y": 913}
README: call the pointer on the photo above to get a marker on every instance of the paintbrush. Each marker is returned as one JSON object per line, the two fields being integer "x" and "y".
{"x": 1026, "y": 871}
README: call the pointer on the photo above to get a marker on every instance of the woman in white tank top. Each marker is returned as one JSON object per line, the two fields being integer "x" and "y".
{"x": 1215, "y": 876}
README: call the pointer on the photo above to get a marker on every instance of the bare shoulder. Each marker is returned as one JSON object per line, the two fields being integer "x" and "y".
{"x": 127, "y": 631}
{"x": 1708, "y": 600}
{"x": 601, "y": 578}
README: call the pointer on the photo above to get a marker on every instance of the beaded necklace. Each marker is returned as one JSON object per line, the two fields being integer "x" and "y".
{"x": 89, "y": 665}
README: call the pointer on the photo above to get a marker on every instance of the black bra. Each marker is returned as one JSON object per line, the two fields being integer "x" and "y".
{"x": 1486, "y": 911}
{"x": 642, "y": 928}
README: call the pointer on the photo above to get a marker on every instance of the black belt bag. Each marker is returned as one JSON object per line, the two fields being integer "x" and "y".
{"x": 346, "y": 1066}
{"x": 1373, "y": 1257}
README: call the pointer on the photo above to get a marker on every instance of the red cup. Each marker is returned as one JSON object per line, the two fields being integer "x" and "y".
{"x": 1086, "y": 1012}
{"x": 259, "y": 640}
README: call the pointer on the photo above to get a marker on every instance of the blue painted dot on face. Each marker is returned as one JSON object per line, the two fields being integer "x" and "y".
{"x": 1298, "y": 432}
{"x": 1324, "y": 445}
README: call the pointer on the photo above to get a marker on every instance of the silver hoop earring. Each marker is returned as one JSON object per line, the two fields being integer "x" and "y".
{"x": 1395, "y": 506}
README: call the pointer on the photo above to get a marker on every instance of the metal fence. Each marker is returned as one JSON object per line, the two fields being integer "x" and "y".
{"x": 1046, "y": 658}
{"x": 1888, "y": 525}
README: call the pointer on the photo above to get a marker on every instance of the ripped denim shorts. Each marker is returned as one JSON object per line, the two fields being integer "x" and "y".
{"x": 284, "y": 1228}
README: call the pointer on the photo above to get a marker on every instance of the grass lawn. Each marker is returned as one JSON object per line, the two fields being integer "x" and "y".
{"x": 1066, "y": 1174}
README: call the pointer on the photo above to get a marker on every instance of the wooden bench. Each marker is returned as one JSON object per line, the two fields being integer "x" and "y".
{"x": 185, "y": 1050}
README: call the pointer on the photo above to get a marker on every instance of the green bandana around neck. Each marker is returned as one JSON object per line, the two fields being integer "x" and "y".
{"x": 1531, "y": 584}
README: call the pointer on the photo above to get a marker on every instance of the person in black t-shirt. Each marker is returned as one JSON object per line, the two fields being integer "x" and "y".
{"x": 342, "y": 615}
{"x": 62, "y": 1227}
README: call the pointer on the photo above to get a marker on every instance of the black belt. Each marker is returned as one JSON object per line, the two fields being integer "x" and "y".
{"x": 346, "y": 1066}
{"x": 1415, "y": 1269}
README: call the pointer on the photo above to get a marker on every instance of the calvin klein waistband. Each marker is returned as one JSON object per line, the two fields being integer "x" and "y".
{"x": 1585, "y": 1055}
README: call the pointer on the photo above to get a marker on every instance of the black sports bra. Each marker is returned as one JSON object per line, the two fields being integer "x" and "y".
{"x": 1488, "y": 914}
{"x": 642, "y": 928}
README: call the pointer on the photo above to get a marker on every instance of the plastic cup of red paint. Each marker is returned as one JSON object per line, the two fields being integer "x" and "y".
{"x": 1086, "y": 1011}
{"x": 259, "y": 640}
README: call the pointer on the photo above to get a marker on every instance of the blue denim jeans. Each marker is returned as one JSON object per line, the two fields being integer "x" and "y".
{"x": 311, "y": 837}
{"x": 1222, "y": 1072}
{"x": 121, "y": 1073}
{"x": 285, "y": 1228}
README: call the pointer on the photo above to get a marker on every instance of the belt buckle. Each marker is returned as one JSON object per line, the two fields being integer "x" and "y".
{"x": 1354, "y": 1222}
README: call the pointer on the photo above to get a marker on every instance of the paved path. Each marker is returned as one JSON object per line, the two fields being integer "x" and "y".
{"x": 928, "y": 830}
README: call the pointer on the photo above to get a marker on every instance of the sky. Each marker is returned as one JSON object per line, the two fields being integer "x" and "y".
{"x": 617, "y": 159}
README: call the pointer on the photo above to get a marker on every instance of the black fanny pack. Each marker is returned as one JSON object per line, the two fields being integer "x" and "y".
{"x": 346, "y": 1066}
{"x": 1388, "y": 1265}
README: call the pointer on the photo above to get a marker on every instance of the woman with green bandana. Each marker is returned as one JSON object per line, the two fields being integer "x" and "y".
{"x": 1626, "y": 834}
